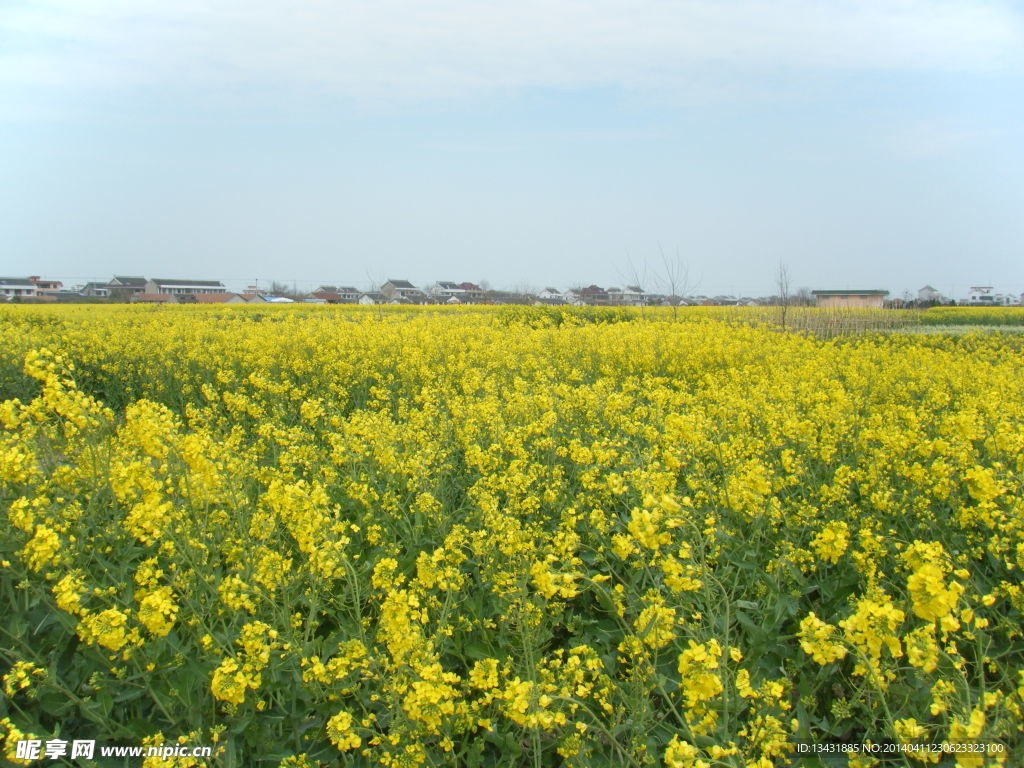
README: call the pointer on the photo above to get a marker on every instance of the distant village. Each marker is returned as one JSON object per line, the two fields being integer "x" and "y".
{"x": 141, "y": 290}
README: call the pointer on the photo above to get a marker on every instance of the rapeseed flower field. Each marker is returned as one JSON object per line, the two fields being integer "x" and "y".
{"x": 314, "y": 536}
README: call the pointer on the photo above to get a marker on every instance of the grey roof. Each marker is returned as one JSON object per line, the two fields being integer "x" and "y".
{"x": 400, "y": 284}
{"x": 16, "y": 281}
{"x": 169, "y": 281}
{"x": 129, "y": 280}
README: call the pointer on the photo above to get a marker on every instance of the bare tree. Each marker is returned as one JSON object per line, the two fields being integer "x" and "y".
{"x": 636, "y": 278}
{"x": 676, "y": 276}
{"x": 785, "y": 298}
{"x": 525, "y": 290}
{"x": 374, "y": 282}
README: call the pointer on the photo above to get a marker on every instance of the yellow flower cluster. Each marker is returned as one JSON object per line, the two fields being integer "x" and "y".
{"x": 21, "y": 676}
{"x": 700, "y": 681}
{"x": 818, "y": 639}
{"x": 12, "y": 736}
{"x": 933, "y": 598}
{"x": 339, "y": 731}
{"x": 832, "y": 542}
{"x": 108, "y": 628}
{"x": 242, "y": 671}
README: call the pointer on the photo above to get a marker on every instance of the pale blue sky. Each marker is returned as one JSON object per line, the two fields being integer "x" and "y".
{"x": 865, "y": 144}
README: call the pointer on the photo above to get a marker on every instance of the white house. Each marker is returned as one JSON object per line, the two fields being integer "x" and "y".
{"x": 630, "y": 296}
{"x": 983, "y": 296}
{"x": 184, "y": 287}
{"x": 446, "y": 290}
{"x": 17, "y": 286}
{"x": 634, "y": 296}
{"x": 349, "y": 295}
{"x": 574, "y": 296}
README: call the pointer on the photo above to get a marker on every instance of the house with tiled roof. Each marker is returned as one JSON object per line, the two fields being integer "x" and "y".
{"x": 402, "y": 289}
{"x": 634, "y": 296}
{"x": 550, "y": 297}
{"x": 446, "y": 291}
{"x": 95, "y": 290}
{"x": 331, "y": 294}
{"x": 125, "y": 286}
{"x": 17, "y": 288}
{"x": 178, "y": 287}
{"x": 985, "y": 296}
{"x": 325, "y": 294}
{"x": 591, "y": 294}
{"x": 46, "y": 286}
{"x": 219, "y": 298}
{"x": 471, "y": 292}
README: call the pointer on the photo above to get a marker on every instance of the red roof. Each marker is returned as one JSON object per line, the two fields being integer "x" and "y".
{"x": 327, "y": 295}
{"x": 214, "y": 298}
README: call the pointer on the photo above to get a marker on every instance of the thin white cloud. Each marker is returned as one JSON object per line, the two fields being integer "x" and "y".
{"x": 370, "y": 48}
